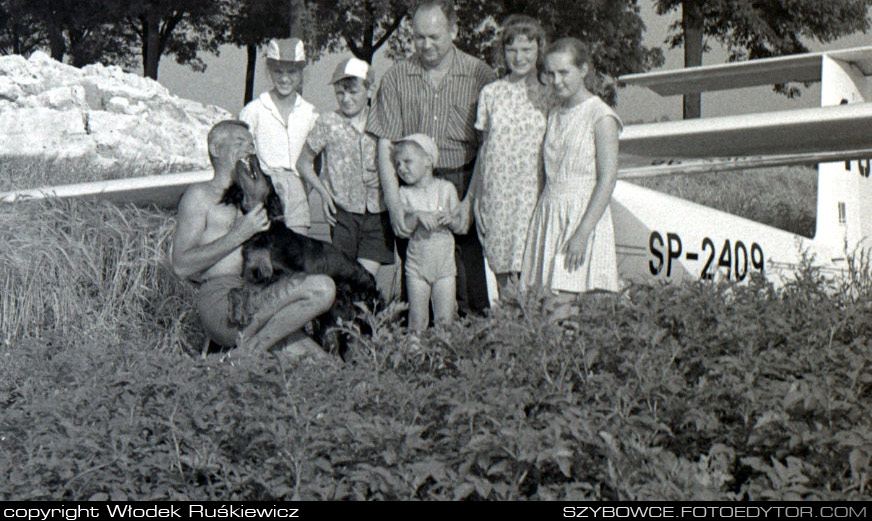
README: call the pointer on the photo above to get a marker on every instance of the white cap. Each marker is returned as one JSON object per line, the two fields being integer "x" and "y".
{"x": 286, "y": 50}
{"x": 426, "y": 143}
{"x": 352, "y": 67}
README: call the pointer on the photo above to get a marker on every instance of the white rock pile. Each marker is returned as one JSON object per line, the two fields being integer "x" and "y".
{"x": 54, "y": 110}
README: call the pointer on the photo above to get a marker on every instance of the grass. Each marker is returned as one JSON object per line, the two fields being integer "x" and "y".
{"x": 783, "y": 197}
{"x": 696, "y": 391}
{"x": 23, "y": 172}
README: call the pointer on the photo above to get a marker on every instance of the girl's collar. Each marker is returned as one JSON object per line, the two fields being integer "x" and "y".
{"x": 578, "y": 103}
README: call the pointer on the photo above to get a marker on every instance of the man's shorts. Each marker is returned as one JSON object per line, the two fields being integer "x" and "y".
{"x": 364, "y": 236}
{"x": 213, "y": 306}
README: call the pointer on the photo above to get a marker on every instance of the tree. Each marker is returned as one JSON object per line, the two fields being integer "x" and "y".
{"x": 361, "y": 26}
{"x": 751, "y": 29}
{"x": 181, "y": 28}
{"x": 252, "y": 25}
{"x": 78, "y": 28}
{"x": 20, "y": 33}
{"x": 297, "y": 16}
{"x": 612, "y": 27}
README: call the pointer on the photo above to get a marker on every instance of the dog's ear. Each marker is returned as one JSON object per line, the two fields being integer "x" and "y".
{"x": 274, "y": 208}
{"x": 232, "y": 196}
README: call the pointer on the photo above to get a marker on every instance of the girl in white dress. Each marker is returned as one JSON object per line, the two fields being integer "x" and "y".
{"x": 571, "y": 244}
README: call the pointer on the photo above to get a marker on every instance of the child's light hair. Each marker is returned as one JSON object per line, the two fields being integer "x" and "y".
{"x": 410, "y": 144}
{"x": 521, "y": 25}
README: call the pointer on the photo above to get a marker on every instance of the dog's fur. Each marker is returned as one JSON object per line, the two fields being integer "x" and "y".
{"x": 279, "y": 251}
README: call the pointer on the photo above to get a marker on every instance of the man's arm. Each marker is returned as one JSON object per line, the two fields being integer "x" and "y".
{"x": 390, "y": 186}
{"x": 190, "y": 258}
{"x": 385, "y": 123}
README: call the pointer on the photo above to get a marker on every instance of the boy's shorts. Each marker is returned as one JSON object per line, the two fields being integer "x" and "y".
{"x": 364, "y": 236}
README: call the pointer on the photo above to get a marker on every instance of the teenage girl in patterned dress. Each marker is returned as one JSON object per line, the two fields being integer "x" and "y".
{"x": 512, "y": 113}
{"x": 571, "y": 243}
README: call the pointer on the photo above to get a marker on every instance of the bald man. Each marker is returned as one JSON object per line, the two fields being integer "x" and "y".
{"x": 207, "y": 249}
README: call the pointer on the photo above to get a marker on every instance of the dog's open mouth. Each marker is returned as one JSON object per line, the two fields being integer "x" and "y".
{"x": 248, "y": 167}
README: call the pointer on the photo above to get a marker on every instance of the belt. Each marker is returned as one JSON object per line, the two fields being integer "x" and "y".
{"x": 454, "y": 170}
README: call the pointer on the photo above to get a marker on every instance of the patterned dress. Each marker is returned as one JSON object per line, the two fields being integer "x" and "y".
{"x": 570, "y": 171}
{"x": 514, "y": 117}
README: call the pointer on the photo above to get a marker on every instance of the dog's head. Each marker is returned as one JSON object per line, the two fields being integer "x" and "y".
{"x": 258, "y": 266}
{"x": 251, "y": 186}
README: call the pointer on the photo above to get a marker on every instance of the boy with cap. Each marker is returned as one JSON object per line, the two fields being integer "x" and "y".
{"x": 432, "y": 211}
{"x": 351, "y": 192}
{"x": 280, "y": 120}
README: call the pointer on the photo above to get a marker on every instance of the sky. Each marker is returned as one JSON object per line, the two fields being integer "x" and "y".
{"x": 222, "y": 83}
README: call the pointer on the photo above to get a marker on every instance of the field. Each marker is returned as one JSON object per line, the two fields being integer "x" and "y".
{"x": 697, "y": 391}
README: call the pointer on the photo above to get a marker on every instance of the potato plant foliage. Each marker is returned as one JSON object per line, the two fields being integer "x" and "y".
{"x": 698, "y": 391}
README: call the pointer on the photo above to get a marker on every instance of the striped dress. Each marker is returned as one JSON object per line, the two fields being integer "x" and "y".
{"x": 570, "y": 177}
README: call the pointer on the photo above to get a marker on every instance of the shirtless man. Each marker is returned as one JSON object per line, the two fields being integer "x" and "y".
{"x": 207, "y": 250}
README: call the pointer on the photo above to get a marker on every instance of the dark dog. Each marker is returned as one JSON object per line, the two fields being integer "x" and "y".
{"x": 280, "y": 251}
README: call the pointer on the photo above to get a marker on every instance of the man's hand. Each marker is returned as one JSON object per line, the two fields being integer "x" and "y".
{"x": 479, "y": 221}
{"x": 253, "y": 222}
{"x": 466, "y": 216}
{"x": 398, "y": 221}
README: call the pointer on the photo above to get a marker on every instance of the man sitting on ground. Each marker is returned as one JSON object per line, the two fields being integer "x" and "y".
{"x": 207, "y": 250}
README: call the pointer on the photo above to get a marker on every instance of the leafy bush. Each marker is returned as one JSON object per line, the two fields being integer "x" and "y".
{"x": 698, "y": 391}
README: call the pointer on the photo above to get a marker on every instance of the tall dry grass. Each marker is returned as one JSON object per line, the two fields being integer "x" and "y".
{"x": 19, "y": 173}
{"x": 76, "y": 271}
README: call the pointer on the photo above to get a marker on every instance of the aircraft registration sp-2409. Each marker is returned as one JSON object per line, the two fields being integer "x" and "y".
{"x": 662, "y": 237}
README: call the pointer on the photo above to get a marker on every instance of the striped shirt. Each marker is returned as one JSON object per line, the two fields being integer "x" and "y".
{"x": 407, "y": 103}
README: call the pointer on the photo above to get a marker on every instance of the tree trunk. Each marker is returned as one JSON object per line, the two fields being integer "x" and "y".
{"x": 249, "y": 73}
{"x": 298, "y": 7}
{"x": 151, "y": 45}
{"x": 692, "y": 25}
{"x": 56, "y": 42}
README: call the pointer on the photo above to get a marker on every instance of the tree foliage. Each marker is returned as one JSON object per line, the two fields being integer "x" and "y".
{"x": 19, "y": 31}
{"x": 361, "y": 26}
{"x": 613, "y": 28}
{"x": 181, "y": 28}
{"x": 80, "y": 29}
{"x": 751, "y": 29}
{"x": 251, "y": 25}
{"x": 115, "y": 30}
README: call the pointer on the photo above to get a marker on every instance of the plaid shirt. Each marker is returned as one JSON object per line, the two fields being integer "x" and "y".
{"x": 351, "y": 172}
{"x": 407, "y": 103}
